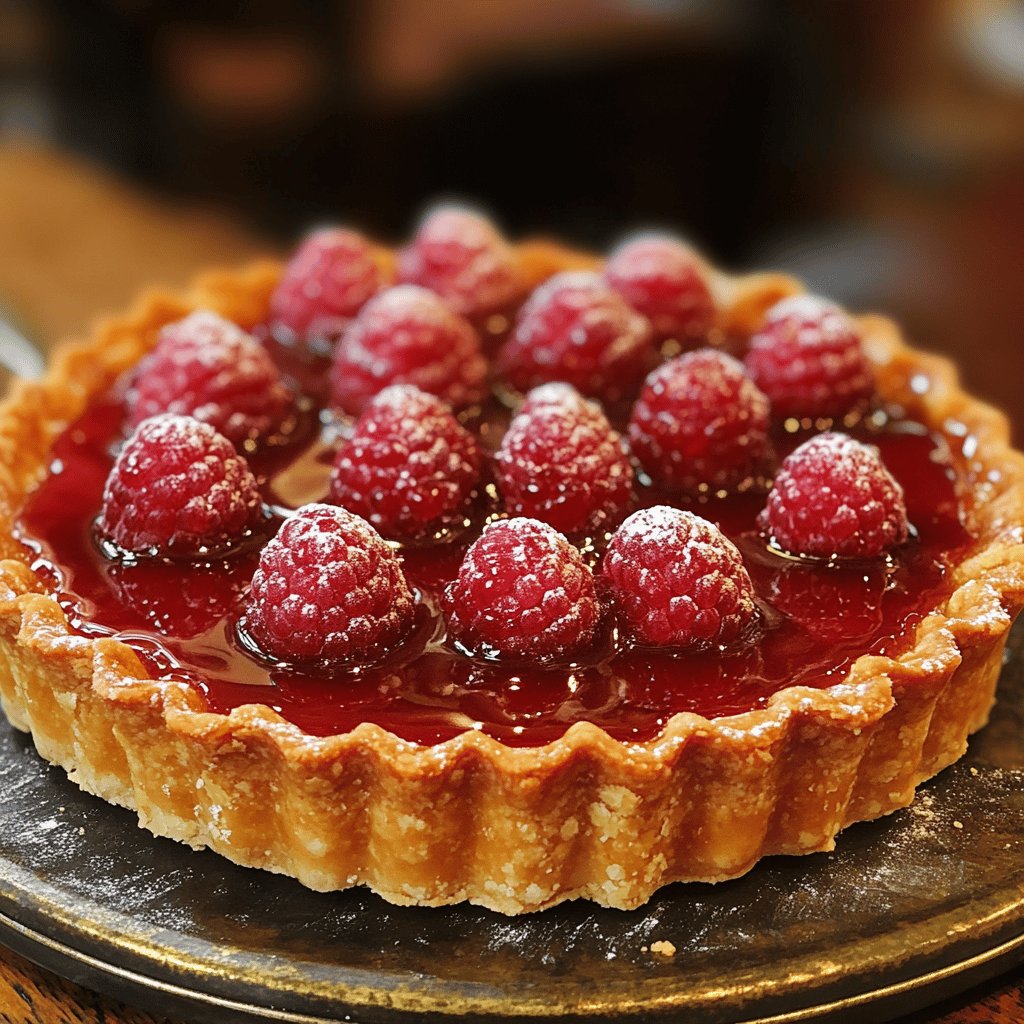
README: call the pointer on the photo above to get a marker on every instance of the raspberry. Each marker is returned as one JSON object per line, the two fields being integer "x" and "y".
{"x": 409, "y": 467}
{"x": 574, "y": 328}
{"x": 179, "y": 489}
{"x": 327, "y": 281}
{"x": 206, "y": 367}
{"x": 407, "y": 335}
{"x": 833, "y": 497}
{"x": 700, "y": 424}
{"x": 661, "y": 278}
{"x": 328, "y": 589}
{"x": 808, "y": 359}
{"x": 561, "y": 462}
{"x": 678, "y": 581}
{"x": 523, "y": 591}
{"x": 461, "y": 256}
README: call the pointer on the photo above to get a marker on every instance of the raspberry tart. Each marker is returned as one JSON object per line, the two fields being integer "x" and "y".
{"x": 489, "y": 572}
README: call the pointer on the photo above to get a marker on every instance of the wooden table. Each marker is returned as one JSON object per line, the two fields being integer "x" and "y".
{"x": 77, "y": 243}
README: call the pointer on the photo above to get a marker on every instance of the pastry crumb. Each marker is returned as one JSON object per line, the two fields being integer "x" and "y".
{"x": 663, "y": 948}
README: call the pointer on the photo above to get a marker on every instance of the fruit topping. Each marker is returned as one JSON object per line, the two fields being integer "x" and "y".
{"x": 834, "y": 498}
{"x": 575, "y": 328}
{"x": 662, "y": 278}
{"x": 460, "y": 255}
{"x": 678, "y": 581}
{"x": 561, "y": 462}
{"x": 407, "y": 335}
{"x": 207, "y": 367}
{"x": 409, "y": 467}
{"x": 701, "y": 424}
{"x": 808, "y": 360}
{"x": 328, "y": 588}
{"x": 179, "y": 490}
{"x": 522, "y": 591}
{"x": 328, "y": 280}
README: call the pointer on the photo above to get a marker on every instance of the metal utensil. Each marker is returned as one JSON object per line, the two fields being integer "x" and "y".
{"x": 19, "y": 357}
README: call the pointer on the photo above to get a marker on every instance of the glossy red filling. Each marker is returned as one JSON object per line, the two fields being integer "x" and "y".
{"x": 181, "y": 618}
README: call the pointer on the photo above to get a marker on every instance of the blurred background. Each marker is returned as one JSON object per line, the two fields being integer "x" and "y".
{"x": 874, "y": 148}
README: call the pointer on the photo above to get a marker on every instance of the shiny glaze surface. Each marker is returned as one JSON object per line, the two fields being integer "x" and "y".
{"x": 181, "y": 618}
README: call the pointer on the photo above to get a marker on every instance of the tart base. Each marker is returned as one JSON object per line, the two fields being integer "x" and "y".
{"x": 521, "y": 829}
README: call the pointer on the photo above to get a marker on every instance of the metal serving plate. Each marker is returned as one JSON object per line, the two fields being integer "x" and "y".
{"x": 906, "y": 911}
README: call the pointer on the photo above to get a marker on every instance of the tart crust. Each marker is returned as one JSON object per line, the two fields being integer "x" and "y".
{"x": 512, "y": 829}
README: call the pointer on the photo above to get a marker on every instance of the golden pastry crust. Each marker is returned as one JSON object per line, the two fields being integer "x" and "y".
{"x": 513, "y": 829}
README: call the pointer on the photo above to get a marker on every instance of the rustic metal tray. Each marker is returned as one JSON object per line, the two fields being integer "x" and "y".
{"x": 906, "y": 911}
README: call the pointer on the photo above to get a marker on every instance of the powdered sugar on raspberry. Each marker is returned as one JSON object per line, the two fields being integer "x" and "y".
{"x": 678, "y": 581}
{"x": 327, "y": 588}
{"x": 207, "y": 367}
{"x": 178, "y": 488}
{"x": 833, "y": 497}
{"x": 523, "y": 591}
{"x": 460, "y": 255}
{"x": 700, "y": 423}
{"x": 561, "y": 462}
{"x": 809, "y": 360}
{"x": 409, "y": 467}
{"x": 575, "y": 328}
{"x": 407, "y": 335}
{"x": 327, "y": 281}
{"x": 662, "y": 278}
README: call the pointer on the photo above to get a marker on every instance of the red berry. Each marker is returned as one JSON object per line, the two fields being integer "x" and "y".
{"x": 700, "y": 424}
{"x": 663, "y": 279}
{"x": 523, "y": 591}
{"x": 206, "y": 367}
{"x": 327, "y": 281}
{"x": 808, "y": 359}
{"x": 409, "y": 467}
{"x": 461, "y": 256}
{"x": 328, "y": 589}
{"x": 561, "y": 462}
{"x": 833, "y": 497}
{"x": 574, "y": 328}
{"x": 678, "y": 581}
{"x": 179, "y": 489}
{"x": 407, "y": 335}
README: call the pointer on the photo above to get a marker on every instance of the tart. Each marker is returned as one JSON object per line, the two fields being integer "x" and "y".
{"x": 440, "y": 754}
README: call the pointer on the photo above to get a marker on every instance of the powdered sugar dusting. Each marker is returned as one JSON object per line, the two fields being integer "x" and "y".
{"x": 678, "y": 580}
{"x": 408, "y": 335}
{"x": 560, "y": 461}
{"x": 409, "y": 467}
{"x": 460, "y": 255}
{"x": 207, "y": 367}
{"x": 834, "y": 497}
{"x": 179, "y": 487}
{"x": 809, "y": 360}
{"x": 701, "y": 423}
{"x": 523, "y": 590}
{"x": 332, "y": 274}
{"x": 327, "y": 588}
{"x": 661, "y": 278}
{"x": 577, "y": 329}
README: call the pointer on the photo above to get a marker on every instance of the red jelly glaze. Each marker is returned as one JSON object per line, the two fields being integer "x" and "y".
{"x": 181, "y": 618}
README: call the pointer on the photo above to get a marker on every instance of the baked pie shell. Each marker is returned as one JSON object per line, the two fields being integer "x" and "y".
{"x": 512, "y": 829}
